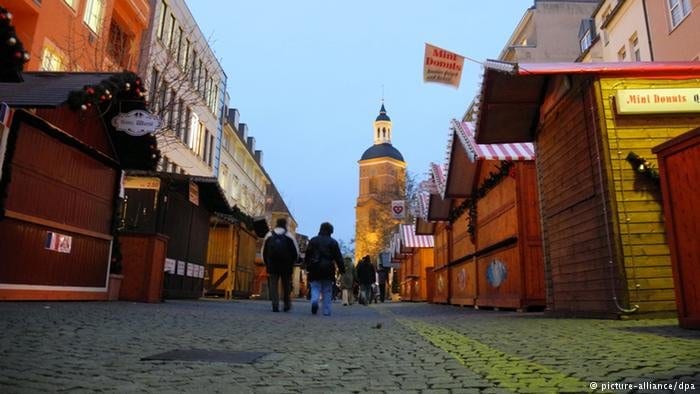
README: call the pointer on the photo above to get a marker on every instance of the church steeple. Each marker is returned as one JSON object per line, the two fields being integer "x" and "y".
{"x": 382, "y": 127}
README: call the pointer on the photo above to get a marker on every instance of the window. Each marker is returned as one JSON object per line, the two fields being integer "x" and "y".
{"x": 586, "y": 41}
{"x": 171, "y": 109}
{"x": 52, "y": 59}
{"x": 179, "y": 53}
{"x": 211, "y": 150}
{"x": 167, "y": 29}
{"x": 171, "y": 35}
{"x": 179, "y": 125}
{"x": 93, "y": 14}
{"x": 71, "y": 3}
{"x": 634, "y": 48}
{"x": 154, "y": 84}
{"x": 161, "y": 21}
{"x": 205, "y": 151}
{"x": 119, "y": 44}
{"x": 186, "y": 54}
{"x": 224, "y": 177}
{"x": 622, "y": 54}
{"x": 678, "y": 9}
{"x": 186, "y": 126}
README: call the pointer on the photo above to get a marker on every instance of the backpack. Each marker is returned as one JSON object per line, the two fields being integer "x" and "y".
{"x": 321, "y": 264}
{"x": 278, "y": 250}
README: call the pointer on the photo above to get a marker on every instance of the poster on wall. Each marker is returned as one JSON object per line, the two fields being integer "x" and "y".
{"x": 60, "y": 243}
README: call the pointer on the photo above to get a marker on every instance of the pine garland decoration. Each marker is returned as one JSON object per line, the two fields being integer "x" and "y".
{"x": 469, "y": 204}
{"x": 13, "y": 56}
{"x": 641, "y": 166}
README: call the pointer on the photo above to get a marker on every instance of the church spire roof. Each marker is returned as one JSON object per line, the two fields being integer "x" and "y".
{"x": 382, "y": 114}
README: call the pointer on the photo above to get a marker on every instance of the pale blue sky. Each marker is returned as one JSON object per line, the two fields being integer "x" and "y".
{"x": 307, "y": 78}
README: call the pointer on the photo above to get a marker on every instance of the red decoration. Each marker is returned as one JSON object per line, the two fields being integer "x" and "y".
{"x": 90, "y": 90}
{"x": 512, "y": 173}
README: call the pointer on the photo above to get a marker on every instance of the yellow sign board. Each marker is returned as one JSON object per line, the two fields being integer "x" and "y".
{"x": 657, "y": 101}
{"x": 139, "y": 182}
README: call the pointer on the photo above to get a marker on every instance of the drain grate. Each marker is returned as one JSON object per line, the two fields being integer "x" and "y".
{"x": 212, "y": 356}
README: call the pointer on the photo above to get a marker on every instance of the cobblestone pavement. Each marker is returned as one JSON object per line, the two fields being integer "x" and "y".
{"x": 385, "y": 348}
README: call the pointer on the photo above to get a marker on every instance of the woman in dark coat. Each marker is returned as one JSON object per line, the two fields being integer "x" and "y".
{"x": 322, "y": 257}
{"x": 366, "y": 275}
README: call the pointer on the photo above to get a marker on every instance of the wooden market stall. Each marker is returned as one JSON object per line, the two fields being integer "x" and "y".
{"x": 230, "y": 258}
{"x": 605, "y": 247}
{"x": 179, "y": 207}
{"x": 418, "y": 259}
{"x": 61, "y": 166}
{"x": 678, "y": 167}
{"x": 438, "y": 212}
{"x": 498, "y": 253}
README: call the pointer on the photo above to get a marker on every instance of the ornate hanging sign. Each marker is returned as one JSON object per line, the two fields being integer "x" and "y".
{"x": 136, "y": 123}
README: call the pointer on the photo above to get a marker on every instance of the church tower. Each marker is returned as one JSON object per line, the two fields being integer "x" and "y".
{"x": 382, "y": 179}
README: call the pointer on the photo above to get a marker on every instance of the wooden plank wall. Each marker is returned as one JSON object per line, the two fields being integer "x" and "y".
{"x": 639, "y": 221}
{"x": 572, "y": 206}
{"x": 462, "y": 242}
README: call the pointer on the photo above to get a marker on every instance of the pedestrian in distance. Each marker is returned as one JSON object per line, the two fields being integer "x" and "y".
{"x": 322, "y": 257}
{"x": 382, "y": 278}
{"x": 280, "y": 252}
{"x": 365, "y": 276}
{"x": 347, "y": 282}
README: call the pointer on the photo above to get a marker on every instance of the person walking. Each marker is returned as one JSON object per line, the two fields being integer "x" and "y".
{"x": 382, "y": 278}
{"x": 365, "y": 276}
{"x": 347, "y": 281}
{"x": 322, "y": 257}
{"x": 280, "y": 252}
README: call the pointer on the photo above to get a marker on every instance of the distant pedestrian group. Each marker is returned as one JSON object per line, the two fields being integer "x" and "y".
{"x": 323, "y": 263}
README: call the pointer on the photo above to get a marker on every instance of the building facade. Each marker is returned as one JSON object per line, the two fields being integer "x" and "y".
{"x": 382, "y": 180}
{"x": 547, "y": 32}
{"x": 81, "y": 35}
{"x": 241, "y": 173}
{"x": 674, "y": 27}
{"x": 186, "y": 88}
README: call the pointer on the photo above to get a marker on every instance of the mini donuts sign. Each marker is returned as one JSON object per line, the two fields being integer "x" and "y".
{"x": 136, "y": 123}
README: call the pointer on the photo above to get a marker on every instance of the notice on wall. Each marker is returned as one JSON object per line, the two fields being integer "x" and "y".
{"x": 169, "y": 266}
{"x": 442, "y": 66}
{"x": 194, "y": 193}
{"x": 60, "y": 243}
{"x": 190, "y": 270}
{"x": 181, "y": 265}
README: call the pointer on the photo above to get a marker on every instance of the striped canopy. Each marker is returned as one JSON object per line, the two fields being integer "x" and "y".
{"x": 512, "y": 151}
{"x": 409, "y": 239}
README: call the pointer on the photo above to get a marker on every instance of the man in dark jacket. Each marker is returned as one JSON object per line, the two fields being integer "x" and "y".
{"x": 366, "y": 275}
{"x": 322, "y": 256}
{"x": 280, "y": 252}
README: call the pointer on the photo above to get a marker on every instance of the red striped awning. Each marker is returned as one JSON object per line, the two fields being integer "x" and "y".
{"x": 438, "y": 175}
{"x": 409, "y": 239}
{"x": 512, "y": 151}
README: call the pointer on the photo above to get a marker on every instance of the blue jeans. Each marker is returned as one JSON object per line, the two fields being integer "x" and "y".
{"x": 324, "y": 287}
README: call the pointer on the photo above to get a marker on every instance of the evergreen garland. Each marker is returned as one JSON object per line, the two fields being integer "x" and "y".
{"x": 469, "y": 204}
{"x": 119, "y": 93}
{"x": 12, "y": 53}
{"x": 641, "y": 166}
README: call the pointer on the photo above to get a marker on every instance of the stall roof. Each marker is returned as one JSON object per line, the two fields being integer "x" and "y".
{"x": 438, "y": 207}
{"x": 511, "y": 151}
{"x": 209, "y": 190}
{"x": 511, "y": 94}
{"x": 46, "y": 89}
{"x": 409, "y": 239}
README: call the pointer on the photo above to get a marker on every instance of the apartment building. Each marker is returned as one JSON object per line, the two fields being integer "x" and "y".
{"x": 80, "y": 35}
{"x": 186, "y": 86}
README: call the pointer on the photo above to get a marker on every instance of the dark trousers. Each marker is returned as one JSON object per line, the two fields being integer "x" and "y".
{"x": 272, "y": 281}
{"x": 382, "y": 291}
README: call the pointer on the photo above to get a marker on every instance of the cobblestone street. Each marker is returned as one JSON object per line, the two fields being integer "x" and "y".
{"x": 392, "y": 347}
